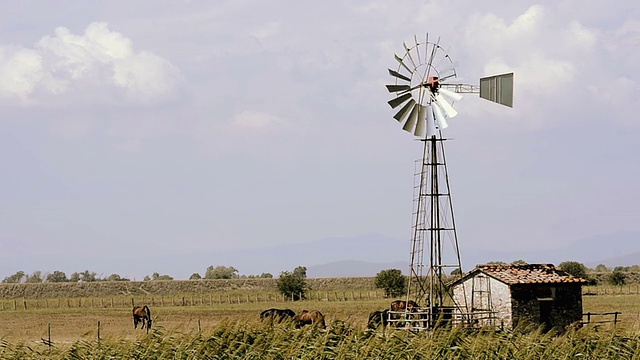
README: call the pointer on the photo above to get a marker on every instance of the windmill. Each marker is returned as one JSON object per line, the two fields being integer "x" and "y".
{"x": 425, "y": 89}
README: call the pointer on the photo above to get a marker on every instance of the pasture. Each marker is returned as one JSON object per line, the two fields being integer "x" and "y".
{"x": 186, "y": 325}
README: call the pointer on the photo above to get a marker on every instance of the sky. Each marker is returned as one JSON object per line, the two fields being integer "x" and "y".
{"x": 131, "y": 130}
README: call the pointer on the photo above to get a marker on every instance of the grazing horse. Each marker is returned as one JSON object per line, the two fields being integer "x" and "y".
{"x": 378, "y": 318}
{"x": 142, "y": 314}
{"x": 277, "y": 315}
{"x": 400, "y": 305}
{"x": 312, "y": 317}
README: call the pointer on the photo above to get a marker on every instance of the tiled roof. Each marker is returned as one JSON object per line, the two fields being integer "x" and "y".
{"x": 528, "y": 274}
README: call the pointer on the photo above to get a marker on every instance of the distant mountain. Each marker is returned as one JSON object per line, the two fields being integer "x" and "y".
{"x": 363, "y": 255}
{"x": 368, "y": 249}
{"x": 625, "y": 260}
{"x": 611, "y": 249}
{"x": 353, "y": 269}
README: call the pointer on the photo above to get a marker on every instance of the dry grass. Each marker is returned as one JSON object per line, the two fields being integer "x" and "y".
{"x": 235, "y": 331}
{"x": 166, "y": 287}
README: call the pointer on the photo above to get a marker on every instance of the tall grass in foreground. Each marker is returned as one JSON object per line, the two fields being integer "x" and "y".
{"x": 340, "y": 341}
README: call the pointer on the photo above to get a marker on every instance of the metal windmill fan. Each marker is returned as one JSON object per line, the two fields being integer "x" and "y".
{"x": 425, "y": 91}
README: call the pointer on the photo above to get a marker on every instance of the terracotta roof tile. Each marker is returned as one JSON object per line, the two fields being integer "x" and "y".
{"x": 528, "y": 274}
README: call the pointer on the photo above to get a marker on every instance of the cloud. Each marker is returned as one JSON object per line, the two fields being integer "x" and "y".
{"x": 100, "y": 60}
{"x": 254, "y": 120}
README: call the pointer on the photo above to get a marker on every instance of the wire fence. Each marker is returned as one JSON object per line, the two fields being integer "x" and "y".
{"x": 184, "y": 300}
{"x": 611, "y": 290}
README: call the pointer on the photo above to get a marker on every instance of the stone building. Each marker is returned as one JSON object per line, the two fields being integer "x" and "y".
{"x": 505, "y": 295}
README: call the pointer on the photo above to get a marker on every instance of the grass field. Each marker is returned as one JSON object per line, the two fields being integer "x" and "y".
{"x": 210, "y": 327}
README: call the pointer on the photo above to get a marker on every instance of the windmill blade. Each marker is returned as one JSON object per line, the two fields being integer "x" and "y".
{"x": 415, "y": 38}
{"x": 394, "y": 103}
{"x": 411, "y": 121}
{"x": 448, "y": 110}
{"x": 431, "y": 125}
{"x": 399, "y": 59}
{"x": 422, "y": 121}
{"x": 398, "y": 75}
{"x": 400, "y": 115}
{"x": 449, "y": 94}
{"x": 398, "y": 88}
{"x": 409, "y": 55}
{"x": 437, "y": 113}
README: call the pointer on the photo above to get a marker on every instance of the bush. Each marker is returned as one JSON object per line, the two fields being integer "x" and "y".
{"x": 617, "y": 278}
{"x": 221, "y": 272}
{"x": 574, "y": 268}
{"x": 392, "y": 281}
{"x": 293, "y": 284}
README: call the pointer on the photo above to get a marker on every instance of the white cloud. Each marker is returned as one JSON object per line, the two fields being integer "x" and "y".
{"x": 100, "y": 59}
{"x": 254, "y": 120}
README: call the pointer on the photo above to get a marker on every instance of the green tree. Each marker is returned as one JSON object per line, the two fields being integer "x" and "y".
{"x": 157, "y": 276}
{"x": 75, "y": 277}
{"x": 456, "y": 272}
{"x": 115, "y": 277}
{"x": 15, "y": 278}
{"x": 392, "y": 281}
{"x": 602, "y": 268}
{"x": 221, "y": 272}
{"x": 87, "y": 276}
{"x": 57, "y": 276}
{"x": 519, "y": 262}
{"x": 293, "y": 284}
{"x": 195, "y": 276}
{"x": 266, "y": 276}
{"x": 574, "y": 268}
{"x": 36, "y": 277}
{"x": 617, "y": 277}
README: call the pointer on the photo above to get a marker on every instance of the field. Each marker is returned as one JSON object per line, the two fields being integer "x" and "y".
{"x": 206, "y": 323}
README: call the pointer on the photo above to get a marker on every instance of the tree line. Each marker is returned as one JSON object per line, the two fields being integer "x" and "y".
{"x": 394, "y": 283}
{"x": 212, "y": 272}
{"x": 292, "y": 284}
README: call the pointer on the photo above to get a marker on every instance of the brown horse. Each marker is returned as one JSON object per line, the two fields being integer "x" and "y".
{"x": 142, "y": 314}
{"x": 313, "y": 317}
{"x": 400, "y": 305}
{"x": 378, "y": 318}
{"x": 277, "y": 315}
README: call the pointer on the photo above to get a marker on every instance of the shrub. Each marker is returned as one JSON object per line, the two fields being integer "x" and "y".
{"x": 617, "y": 277}
{"x": 293, "y": 284}
{"x": 392, "y": 281}
{"x": 574, "y": 268}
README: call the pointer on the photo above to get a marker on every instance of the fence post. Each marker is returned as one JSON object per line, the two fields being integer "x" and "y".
{"x": 98, "y": 330}
{"x": 25, "y": 303}
{"x": 615, "y": 318}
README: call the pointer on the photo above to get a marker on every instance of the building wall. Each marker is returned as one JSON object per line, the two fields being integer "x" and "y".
{"x": 563, "y": 302}
{"x": 500, "y": 299}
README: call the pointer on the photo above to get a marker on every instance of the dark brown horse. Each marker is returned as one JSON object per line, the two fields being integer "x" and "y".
{"x": 313, "y": 317}
{"x": 400, "y": 305}
{"x": 142, "y": 314}
{"x": 277, "y": 315}
{"x": 378, "y": 318}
